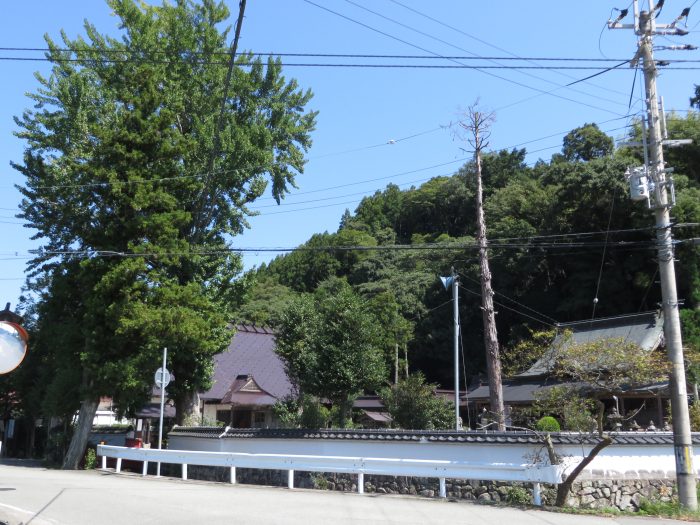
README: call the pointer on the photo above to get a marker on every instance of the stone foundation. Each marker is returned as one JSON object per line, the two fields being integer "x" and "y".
{"x": 622, "y": 494}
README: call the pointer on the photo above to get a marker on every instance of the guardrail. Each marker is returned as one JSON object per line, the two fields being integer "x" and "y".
{"x": 429, "y": 468}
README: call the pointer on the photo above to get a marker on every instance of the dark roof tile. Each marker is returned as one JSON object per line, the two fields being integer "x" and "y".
{"x": 497, "y": 438}
{"x": 251, "y": 352}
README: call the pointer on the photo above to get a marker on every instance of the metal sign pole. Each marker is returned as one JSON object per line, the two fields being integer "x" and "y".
{"x": 162, "y": 406}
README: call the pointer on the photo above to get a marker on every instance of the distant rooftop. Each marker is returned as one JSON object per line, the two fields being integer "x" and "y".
{"x": 645, "y": 329}
{"x": 251, "y": 353}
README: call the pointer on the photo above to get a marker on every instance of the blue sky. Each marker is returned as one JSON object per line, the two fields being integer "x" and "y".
{"x": 363, "y": 110}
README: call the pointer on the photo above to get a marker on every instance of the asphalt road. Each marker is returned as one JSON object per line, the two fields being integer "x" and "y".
{"x": 36, "y": 496}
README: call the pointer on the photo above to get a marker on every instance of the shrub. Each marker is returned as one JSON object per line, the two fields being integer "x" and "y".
{"x": 548, "y": 424}
{"x": 414, "y": 405}
{"x": 90, "y": 459}
{"x": 518, "y": 495}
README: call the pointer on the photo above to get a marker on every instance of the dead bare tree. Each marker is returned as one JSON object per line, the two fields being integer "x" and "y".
{"x": 475, "y": 128}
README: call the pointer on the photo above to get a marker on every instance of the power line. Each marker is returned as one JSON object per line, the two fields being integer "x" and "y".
{"x": 515, "y": 56}
{"x": 390, "y": 142}
{"x": 540, "y": 91}
{"x": 508, "y": 307}
{"x": 467, "y": 51}
{"x": 339, "y": 248}
{"x": 342, "y": 196}
{"x": 352, "y": 65}
{"x": 317, "y": 55}
{"x": 189, "y": 177}
{"x": 513, "y": 300}
{"x": 494, "y": 243}
{"x": 434, "y": 56}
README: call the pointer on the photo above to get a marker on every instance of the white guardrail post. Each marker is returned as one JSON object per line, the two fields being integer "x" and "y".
{"x": 426, "y": 468}
{"x": 536, "y": 494}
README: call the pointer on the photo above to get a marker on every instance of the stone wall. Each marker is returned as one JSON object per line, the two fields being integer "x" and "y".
{"x": 623, "y": 494}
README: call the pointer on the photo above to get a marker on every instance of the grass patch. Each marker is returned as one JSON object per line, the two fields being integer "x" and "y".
{"x": 666, "y": 509}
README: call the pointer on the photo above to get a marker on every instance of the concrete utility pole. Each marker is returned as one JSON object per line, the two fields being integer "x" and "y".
{"x": 453, "y": 282}
{"x": 645, "y": 27}
{"x": 477, "y": 124}
{"x": 455, "y": 344}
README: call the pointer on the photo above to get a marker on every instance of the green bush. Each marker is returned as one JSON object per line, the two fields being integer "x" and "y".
{"x": 547, "y": 424}
{"x": 90, "y": 459}
{"x": 518, "y": 495}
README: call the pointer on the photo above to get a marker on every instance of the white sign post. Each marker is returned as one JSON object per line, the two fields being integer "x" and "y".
{"x": 162, "y": 379}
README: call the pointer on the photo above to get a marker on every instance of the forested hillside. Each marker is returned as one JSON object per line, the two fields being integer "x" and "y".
{"x": 560, "y": 232}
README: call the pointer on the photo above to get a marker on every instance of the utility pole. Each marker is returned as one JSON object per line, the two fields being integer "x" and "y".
{"x": 645, "y": 27}
{"x": 453, "y": 282}
{"x": 477, "y": 125}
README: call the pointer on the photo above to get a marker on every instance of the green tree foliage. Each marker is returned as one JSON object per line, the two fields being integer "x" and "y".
{"x": 690, "y": 328}
{"x": 331, "y": 346}
{"x": 587, "y": 143}
{"x": 264, "y": 303}
{"x": 304, "y": 411}
{"x": 590, "y": 370}
{"x": 121, "y": 168}
{"x": 547, "y": 424}
{"x": 413, "y": 405}
{"x": 551, "y": 228}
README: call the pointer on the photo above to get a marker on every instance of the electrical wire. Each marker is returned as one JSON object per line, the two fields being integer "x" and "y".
{"x": 257, "y": 168}
{"x": 602, "y": 260}
{"x": 464, "y": 370}
{"x": 508, "y": 307}
{"x": 540, "y": 91}
{"x": 516, "y": 57}
{"x": 390, "y": 142}
{"x": 337, "y": 65}
{"x": 513, "y": 300}
{"x": 226, "y": 54}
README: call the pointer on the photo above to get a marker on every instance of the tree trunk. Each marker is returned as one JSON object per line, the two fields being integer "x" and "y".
{"x": 344, "y": 412}
{"x": 493, "y": 358}
{"x": 405, "y": 359}
{"x": 31, "y": 436}
{"x": 187, "y": 409}
{"x": 78, "y": 443}
{"x": 564, "y": 487}
{"x": 396, "y": 363}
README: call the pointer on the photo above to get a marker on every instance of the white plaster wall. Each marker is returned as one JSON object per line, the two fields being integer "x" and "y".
{"x": 614, "y": 462}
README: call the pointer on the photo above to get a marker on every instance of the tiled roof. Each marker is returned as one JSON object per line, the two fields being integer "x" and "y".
{"x": 523, "y": 389}
{"x": 245, "y": 391}
{"x": 514, "y": 392}
{"x": 251, "y": 352}
{"x": 645, "y": 329}
{"x": 496, "y": 438}
{"x": 368, "y": 402}
{"x": 152, "y": 411}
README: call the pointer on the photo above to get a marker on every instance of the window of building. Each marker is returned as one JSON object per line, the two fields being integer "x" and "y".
{"x": 259, "y": 419}
{"x": 224, "y": 416}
